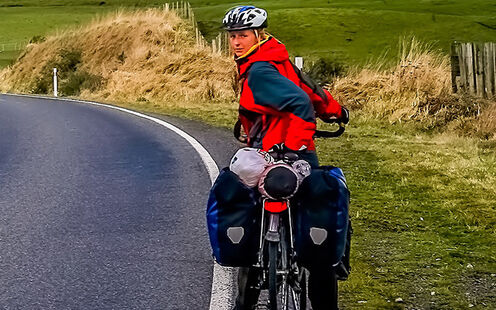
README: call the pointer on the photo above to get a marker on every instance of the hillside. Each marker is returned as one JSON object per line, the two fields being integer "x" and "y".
{"x": 144, "y": 57}
{"x": 356, "y": 31}
{"x": 149, "y": 58}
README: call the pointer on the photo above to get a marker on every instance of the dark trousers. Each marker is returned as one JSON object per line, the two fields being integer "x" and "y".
{"x": 319, "y": 289}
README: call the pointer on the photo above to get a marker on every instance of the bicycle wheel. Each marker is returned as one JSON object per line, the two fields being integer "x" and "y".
{"x": 334, "y": 290}
{"x": 284, "y": 287}
{"x": 273, "y": 275}
{"x": 297, "y": 293}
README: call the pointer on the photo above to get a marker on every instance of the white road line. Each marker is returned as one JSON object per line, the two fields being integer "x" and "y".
{"x": 223, "y": 279}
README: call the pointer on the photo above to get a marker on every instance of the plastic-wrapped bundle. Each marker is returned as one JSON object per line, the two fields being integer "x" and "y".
{"x": 249, "y": 164}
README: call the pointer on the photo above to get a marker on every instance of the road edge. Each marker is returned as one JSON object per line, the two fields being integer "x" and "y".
{"x": 223, "y": 278}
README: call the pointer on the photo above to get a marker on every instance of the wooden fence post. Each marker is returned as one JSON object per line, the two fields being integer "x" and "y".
{"x": 227, "y": 45}
{"x": 479, "y": 70}
{"x": 455, "y": 67}
{"x": 470, "y": 67}
{"x": 463, "y": 70}
{"x": 488, "y": 69}
{"x": 219, "y": 39}
{"x": 298, "y": 61}
{"x": 493, "y": 52}
{"x": 486, "y": 57}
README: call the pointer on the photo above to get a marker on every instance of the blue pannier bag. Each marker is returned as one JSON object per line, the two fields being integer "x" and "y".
{"x": 233, "y": 219}
{"x": 321, "y": 218}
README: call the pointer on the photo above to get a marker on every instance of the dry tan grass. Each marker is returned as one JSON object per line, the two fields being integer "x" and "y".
{"x": 487, "y": 123}
{"x": 417, "y": 88}
{"x": 139, "y": 56}
{"x": 150, "y": 57}
{"x": 401, "y": 92}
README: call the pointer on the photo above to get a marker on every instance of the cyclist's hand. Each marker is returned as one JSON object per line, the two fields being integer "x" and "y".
{"x": 282, "y": 152}
{"x": 343, "y": 119}
{"x": 277, "y": 149}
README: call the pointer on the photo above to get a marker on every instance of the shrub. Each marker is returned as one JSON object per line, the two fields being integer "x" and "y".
{"x": 325, "y": 70}
{"x": 37, "y": 39}
{"x": 72, "y": 79}
{"x": 67, "y": 61}
{"x": 79, "y": 80}
{"x": 41, "y": 86}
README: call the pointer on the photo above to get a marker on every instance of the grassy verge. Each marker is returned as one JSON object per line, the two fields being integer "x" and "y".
{"x": 423, "y": 210}
{"x": 219, "y": 114}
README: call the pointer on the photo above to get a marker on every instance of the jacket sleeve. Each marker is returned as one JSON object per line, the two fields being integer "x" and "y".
{"x": 327, "y": 109}
{"x": 271, "y": 89}
{"x": 325, "y": 105}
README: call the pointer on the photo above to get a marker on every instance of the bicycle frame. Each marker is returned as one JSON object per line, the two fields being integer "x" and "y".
{"x": 273, "y": 232}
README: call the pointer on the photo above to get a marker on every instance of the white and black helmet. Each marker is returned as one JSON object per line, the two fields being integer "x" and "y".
{"x": 245, "y": 17}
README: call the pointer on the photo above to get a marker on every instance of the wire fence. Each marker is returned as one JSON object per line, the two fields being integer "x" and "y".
{"x": 13, "y": 46}
{"x": 219, "y": 45}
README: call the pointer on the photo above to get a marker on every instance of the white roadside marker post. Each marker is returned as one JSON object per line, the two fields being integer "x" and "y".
{"x": 55, "y": 86}
{"x": 299, "y": 62}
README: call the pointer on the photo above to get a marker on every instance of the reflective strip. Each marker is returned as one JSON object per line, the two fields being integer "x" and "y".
{"x": 318, "y": 235}
{"x": 235, "y": 234}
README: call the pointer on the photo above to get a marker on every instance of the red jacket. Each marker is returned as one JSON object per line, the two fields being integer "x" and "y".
{"x": 278, "y": 102}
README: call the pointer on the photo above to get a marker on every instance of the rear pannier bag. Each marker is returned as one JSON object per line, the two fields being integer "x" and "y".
{"x": 233, "y": 219}
{"x": 321, "y": 217}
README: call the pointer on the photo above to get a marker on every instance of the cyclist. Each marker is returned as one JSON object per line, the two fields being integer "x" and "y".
{"x": 277, "y": 110}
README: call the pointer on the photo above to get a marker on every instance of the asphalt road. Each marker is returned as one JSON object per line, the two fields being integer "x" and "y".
{"x": 100, "y": 209}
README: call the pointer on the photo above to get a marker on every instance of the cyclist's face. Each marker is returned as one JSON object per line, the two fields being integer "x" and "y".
{"x": 241, "y": 41}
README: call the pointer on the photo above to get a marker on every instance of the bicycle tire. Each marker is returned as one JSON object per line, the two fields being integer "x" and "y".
{"x": 303, "y": 292}
{"x": 272, "y": 275}
{"x": 334, "y": 290}
{"x": 298, "y": 298}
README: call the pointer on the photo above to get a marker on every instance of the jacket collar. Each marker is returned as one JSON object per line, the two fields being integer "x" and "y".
{"x": 269, "y": 49}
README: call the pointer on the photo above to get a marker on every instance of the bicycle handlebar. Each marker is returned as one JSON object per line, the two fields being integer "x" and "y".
{"x": 330, "y": 134}
{"x": 318, "y": 133}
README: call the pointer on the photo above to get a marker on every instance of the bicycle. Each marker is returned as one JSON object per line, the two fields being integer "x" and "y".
{"x": 279, "y": 270}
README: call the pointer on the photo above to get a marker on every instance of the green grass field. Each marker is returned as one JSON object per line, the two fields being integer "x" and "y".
{"x": 352, "y": 31}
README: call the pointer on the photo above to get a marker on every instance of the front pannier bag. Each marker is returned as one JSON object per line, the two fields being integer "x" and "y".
{"x": 321, "y": 217}
{"x": 233, "y": 218}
